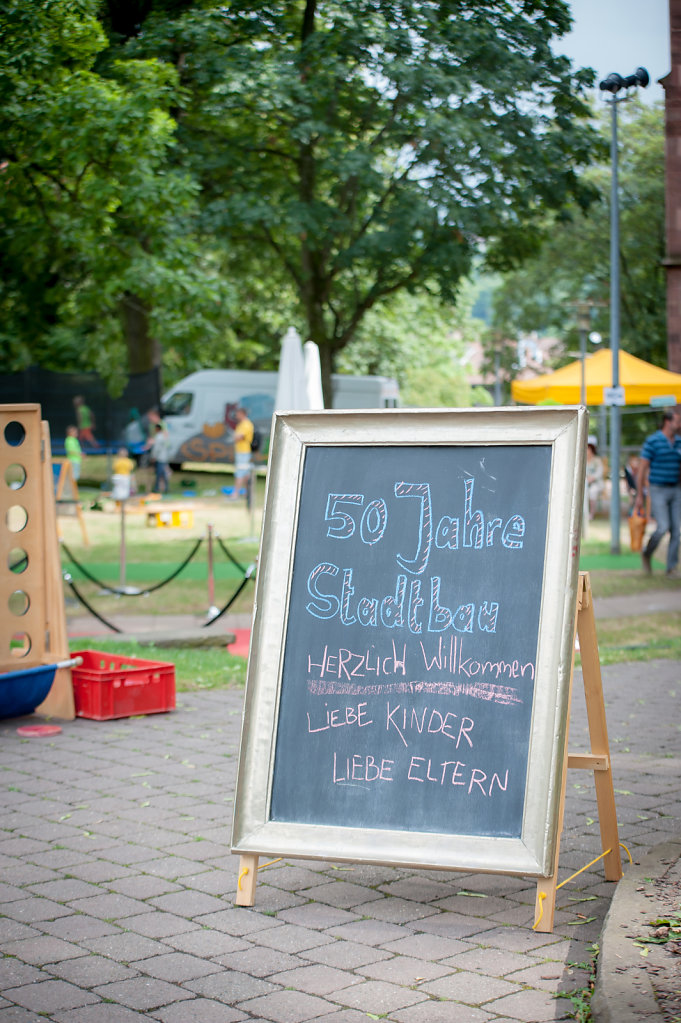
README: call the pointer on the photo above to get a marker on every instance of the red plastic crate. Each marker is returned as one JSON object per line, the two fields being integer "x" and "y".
{"x": 108, "y": 686}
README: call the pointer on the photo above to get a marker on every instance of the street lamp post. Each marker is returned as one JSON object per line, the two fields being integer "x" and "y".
{"x": 612, "y": 84}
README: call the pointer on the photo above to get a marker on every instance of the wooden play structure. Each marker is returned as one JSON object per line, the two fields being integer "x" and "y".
{"x": 67, "y": 496}
{"x": 33, "y": 623}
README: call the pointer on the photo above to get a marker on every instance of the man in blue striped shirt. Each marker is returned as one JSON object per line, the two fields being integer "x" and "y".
{"x": 660, "y": 472}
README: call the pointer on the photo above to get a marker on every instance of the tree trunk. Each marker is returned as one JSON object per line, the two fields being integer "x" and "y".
{"x": 144, "y": 351}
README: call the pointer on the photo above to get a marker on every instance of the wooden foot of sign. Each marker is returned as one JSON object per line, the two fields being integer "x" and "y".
{"x": 248, "y": 878}
{"x": 598, "y": 761}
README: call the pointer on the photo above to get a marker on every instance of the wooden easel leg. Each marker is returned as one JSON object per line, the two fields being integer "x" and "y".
{"x": 598, "y": 733}
{"x": 545, "y": 903}
{"x": 248, "y": 878}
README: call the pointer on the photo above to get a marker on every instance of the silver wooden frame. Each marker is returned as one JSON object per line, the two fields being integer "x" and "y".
{"x": 565, "y": 430}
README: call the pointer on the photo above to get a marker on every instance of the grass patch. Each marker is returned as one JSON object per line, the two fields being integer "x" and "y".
{"x": 195, "y": 669}
{"x": 639, "y": 638}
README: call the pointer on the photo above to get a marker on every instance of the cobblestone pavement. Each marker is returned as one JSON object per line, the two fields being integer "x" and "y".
{"x": 117, "y": 885}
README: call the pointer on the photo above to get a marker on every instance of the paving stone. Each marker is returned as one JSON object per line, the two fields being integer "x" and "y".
{"x": 15, "y": 1014}
{"x": 99, "y": 871}
{"x": 202, "y": 942}
{"x": 89, "y": 971}
{"x": 398, "y": 910}
{"x": 39, "y": 951}
{"x": 470, "y": 988}
{"x": 342, "y": 894}
{"x": 442, "y": 1012}
{"x": 258, "y": 961}
{"x": 199, "y": 1010}
{"x": 286, "y": 1007}
{"x": 344, "y": 954}
{"x": 126, "y": 947}
{"x": 548, "y": 976}
{"x": 273, "y": 900}
{"x": 369, "y": 932}
{"x": 48, "y": 996}
{"x": 188, "y": 903}
{"x": 378, "y": 997}
{"x": 19, "y": 873}
{"x": 230, "y": 986}
{"x": 289, "y": 877}
{"x": 143, "y": 886}
{"x": 77, "y": 927}
{"x": 404, "y": 970}
{"x": 177, "y": 967}
{"x": 12, "y": 930}
{"x": 22, "y": 847}
{"x": 455, "y": 925}
{"x": 494, "y": 962}
{"x": 470, "y": 905}
{"x": 528, "y": 1006}
{"x": 291, "y": 938}
{"x": 33, "y": 909}
{"x": 238, "y": 921}
{"x": 142, "y": 993}
{"x": 427, "y": 946}
{"x": 315, "y": 915}
{"x": 15, "y": 973}
{"x": 213, "y": 882}
{"x": 110, "y": 906}
{"x": 418, "y": 889}
{"x": 102, "y": 1012}
{"x": 516, "y": 940}
{"x": 65, "y": 890}
{"x": 344, "y": 1016}
{"x": 315, "y": 980}
{"x": 155, "y": 924}
{"x": 10, "y": 893}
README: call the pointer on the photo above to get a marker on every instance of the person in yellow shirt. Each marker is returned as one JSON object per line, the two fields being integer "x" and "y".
{"x": 243, "y": 438}
{"x": 123, "y": 465}
{"x": 123, "y": 481}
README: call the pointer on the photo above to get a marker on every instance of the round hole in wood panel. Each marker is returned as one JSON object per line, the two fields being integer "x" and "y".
{"x": 20, "y": 644}
{"x": 15, "y": 433}
{"x": 15, "y": 476}
{"x": 17, "y": 517}
{"x": 18, "y": 603}
{"x": 17, "y": 560}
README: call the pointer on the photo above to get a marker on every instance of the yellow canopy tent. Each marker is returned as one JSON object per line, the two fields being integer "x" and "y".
{"x": 641, "y": 382}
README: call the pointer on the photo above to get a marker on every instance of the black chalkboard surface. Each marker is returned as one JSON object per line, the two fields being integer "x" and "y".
{"x": 409, "y": 651}
{"x": 412, "y": 639}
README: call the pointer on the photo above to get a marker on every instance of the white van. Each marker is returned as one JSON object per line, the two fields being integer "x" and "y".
{"x": 200, "y": 410}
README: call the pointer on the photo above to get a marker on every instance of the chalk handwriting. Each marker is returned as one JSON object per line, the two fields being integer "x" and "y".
{"x": 452, "y": 532}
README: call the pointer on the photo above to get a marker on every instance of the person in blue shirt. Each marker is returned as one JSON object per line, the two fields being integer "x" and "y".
{"x": 660, "y": 472}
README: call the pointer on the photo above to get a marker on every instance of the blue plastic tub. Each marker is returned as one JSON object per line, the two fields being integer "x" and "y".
{"x": 22, "y": 691}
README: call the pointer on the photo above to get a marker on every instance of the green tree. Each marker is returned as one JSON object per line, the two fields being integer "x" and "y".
{"x": 424, "y": 344}
{"x": 573, "y": 263}
{"x": 370, "y": 148}
{"x": 98, "y": 263}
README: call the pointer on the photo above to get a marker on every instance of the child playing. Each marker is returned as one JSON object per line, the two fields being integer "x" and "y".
{"x": 74, "y": 451}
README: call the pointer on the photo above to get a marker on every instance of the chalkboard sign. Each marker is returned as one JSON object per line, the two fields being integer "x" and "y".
{"x": 407, "y": 688}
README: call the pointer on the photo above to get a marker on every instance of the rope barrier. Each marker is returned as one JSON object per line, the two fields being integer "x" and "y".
{"x": 81, "y": 598}
{"x": 250, "y": 571}
{"x": 137, "y": 593}
{"x": 229, "y": 555}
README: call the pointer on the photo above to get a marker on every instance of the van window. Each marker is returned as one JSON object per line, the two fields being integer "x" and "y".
{"x": 178, "y": 404}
